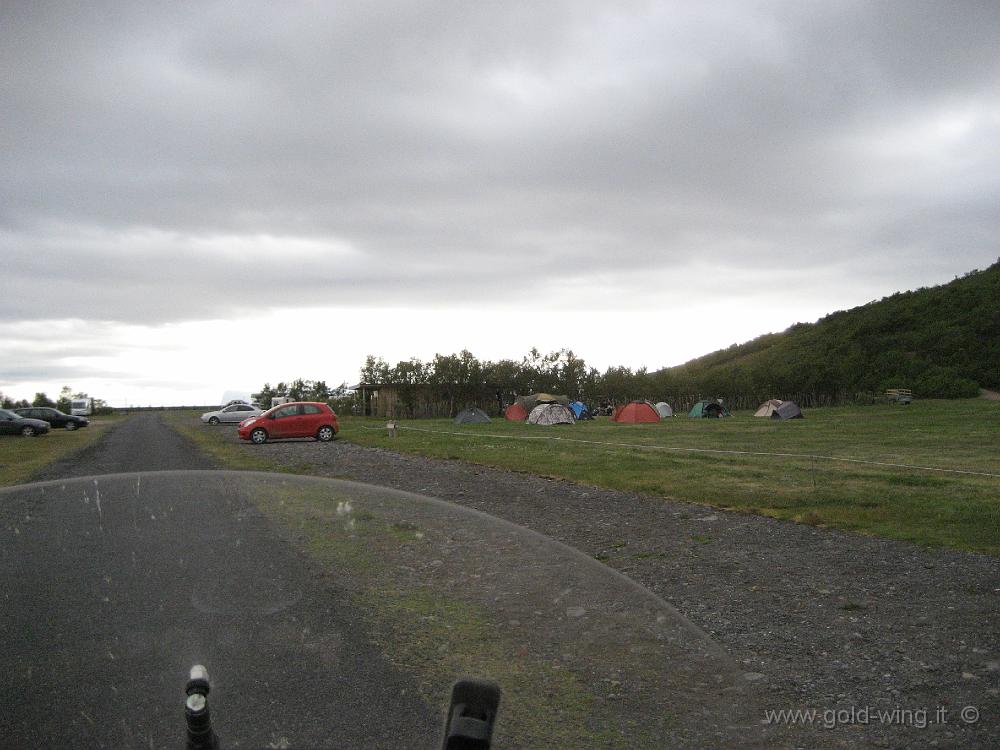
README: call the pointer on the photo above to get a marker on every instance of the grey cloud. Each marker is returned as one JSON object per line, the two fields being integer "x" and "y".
{"x": 459, "y": 147}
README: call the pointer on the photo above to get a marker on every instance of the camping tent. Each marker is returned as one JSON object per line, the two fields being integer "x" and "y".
{"x": 788, "y": 410}
{"x": 515, "y": 412}
{"x": 551, "y": 414}
{"x": 768, "y": 408}
{"x": 664, "y": 410}
{"x": 636, "y": 412}
{"x": 709, "y": 409}
{"x": 530, "y": 402}
{"x": 580, "y": 410}
{"x": 472, "y": 415}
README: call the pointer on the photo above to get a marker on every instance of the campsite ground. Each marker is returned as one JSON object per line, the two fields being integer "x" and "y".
{"x": 779, "y": 469}
{"x": 803, "y": 470}
{"x": 819, "y": 619}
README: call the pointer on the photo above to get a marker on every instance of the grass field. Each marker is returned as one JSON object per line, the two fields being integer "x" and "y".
{"x": 21, "y": 457}
{"x": 928, "y": 507}
{"x": 673, "y": 459}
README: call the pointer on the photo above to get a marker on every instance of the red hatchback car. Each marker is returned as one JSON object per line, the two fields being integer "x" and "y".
{"x": 299, "y": 419}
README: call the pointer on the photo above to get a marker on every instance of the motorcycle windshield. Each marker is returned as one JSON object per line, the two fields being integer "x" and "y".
{"x": 330, "y": 614}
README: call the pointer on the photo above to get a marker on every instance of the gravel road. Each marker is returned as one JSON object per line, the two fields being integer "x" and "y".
{"x": 148, "y": 574}
{"x": 142, "y": 442}
{"x": 820, "y": 620}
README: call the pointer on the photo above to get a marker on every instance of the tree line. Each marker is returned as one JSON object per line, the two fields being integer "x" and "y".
{"x": 940, "y": 342}
{"x": 302, "y": 389}
{"x": 62, "y": 402}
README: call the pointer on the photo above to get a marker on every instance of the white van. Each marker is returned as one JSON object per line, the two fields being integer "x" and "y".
{"x": 81, "y": 407}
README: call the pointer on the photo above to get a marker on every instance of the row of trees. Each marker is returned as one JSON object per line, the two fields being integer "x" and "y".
{"x": 463, "y": 378}
{"x": 62, "y": 403}
{"x": 941, "y": 342}
{"x": 306, "y": 390}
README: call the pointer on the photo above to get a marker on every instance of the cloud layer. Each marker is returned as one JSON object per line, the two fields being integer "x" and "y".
{"x": 168, "y": 162}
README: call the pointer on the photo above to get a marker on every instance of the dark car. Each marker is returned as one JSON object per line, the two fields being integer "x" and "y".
{"x": 296, "y": 420}
{"x": 54, "y": 417}
{"x": 15, "y": 424}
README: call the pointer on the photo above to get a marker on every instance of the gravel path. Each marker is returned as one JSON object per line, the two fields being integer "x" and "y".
{"x": 819, "y": 619}
{"x": 146, "y": 575}
{"x": 142, "y": 442}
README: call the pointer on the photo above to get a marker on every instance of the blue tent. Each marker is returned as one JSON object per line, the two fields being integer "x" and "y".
{"x": 580, "y": 410}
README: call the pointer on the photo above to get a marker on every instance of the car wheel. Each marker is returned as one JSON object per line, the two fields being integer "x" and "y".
{"x": 28, "y": 431}
{"x": 325, "y": 434}
{"x": 71, "y": 426}
{"x": 258, "y": 436}
{"x": 213, "y": 420}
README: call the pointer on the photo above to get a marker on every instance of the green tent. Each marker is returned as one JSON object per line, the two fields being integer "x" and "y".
{"x": 709, "y": 409}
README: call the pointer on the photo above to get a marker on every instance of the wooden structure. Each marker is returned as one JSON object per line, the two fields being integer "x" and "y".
{"x": 899, "y": 395}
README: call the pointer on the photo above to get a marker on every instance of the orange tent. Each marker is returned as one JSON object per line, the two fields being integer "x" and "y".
{"x": 635, "y": 412}
{"x": 515, "y": 412}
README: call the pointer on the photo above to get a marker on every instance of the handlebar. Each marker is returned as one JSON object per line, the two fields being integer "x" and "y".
{"x": 469, "y": 726}
{"x": 200, "y": 735}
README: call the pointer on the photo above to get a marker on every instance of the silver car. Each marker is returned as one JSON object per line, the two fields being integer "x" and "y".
{"x": 233, "y": 413}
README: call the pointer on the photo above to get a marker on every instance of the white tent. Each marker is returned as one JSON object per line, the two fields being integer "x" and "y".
{"x": 664, "y": 410}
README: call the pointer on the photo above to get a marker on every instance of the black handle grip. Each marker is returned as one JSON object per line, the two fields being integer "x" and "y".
{"x": 471, "y": 716}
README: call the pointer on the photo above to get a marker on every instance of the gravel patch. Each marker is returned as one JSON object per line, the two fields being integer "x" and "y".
{"x": 143, "y": 442}
{"x": 819, "y": 619}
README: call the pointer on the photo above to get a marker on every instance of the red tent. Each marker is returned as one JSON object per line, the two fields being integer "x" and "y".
{"x": 635, "y": 412}
{"x": 515, "y": 413}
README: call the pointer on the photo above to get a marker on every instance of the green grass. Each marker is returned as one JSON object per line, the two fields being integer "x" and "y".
{"x": 216, "y": 441}
{"x": 21, "y": 458}
{"x": 924, "y": 507}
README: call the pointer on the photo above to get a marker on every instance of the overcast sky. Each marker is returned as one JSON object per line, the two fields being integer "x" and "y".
{"x": 199, "y": 197}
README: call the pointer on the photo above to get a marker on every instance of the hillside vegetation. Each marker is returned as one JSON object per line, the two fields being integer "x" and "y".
{"x": 941, "y": 341}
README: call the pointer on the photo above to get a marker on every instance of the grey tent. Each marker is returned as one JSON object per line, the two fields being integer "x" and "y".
{"x": 551, "y": 414}
{"x": 472, "y": 415}
{"x": 788, "y": 410}
{"x": 664, "y": 410}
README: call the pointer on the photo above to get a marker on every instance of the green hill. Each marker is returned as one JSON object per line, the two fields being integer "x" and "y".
{"x": 941, "y": 341}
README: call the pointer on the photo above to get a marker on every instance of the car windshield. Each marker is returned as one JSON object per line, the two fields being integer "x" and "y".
{"x": 328, "y": 610}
